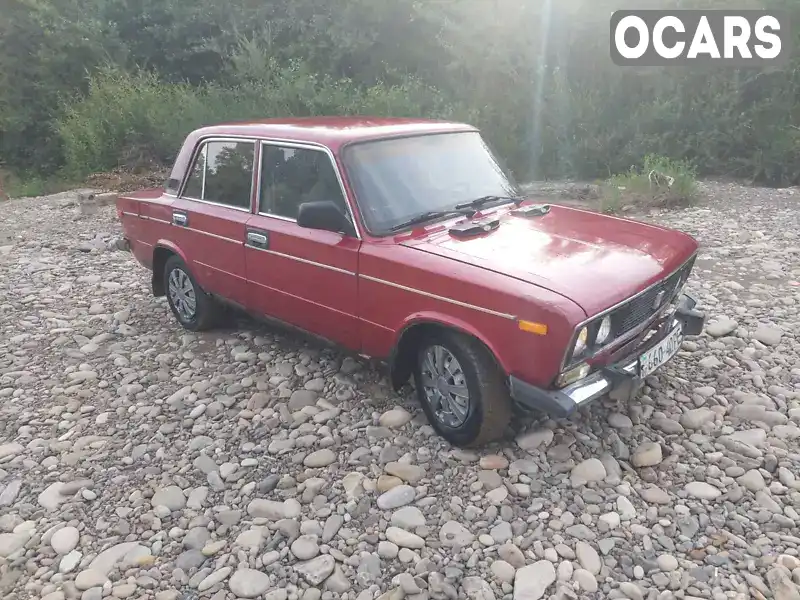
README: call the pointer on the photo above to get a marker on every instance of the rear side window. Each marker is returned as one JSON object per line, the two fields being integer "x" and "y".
{"x": 223, "y": 173}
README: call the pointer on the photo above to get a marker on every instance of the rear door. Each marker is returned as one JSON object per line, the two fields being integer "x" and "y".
{"x": 305, "y": 277}
{"x": 211, "y": 212}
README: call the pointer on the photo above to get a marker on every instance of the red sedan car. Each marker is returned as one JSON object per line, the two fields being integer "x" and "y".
{"x": 406, "y": 240}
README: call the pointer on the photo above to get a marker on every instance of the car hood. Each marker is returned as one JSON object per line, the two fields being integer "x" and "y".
{"x": 594, "y": 260}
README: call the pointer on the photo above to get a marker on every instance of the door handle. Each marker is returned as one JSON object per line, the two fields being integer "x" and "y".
{"x": 257, "y": 239}
{"x": 180, "y": 218}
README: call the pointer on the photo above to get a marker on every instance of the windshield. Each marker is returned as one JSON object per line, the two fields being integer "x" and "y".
{"x": 398, "y": 179}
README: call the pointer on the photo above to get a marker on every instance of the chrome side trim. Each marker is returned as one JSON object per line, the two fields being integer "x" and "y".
{"x": 251, "y": 247}
{"x": 239, "y": 208}
{"x": 302, "y": 260}
{"x": 208, "y": 233}
{"x": 279, "y": 217}
{"x": 204, "y": 154}
{"x": 162, "y": 221}
{"x": 442, "y": 298}
{"x": 633, "y": 332}
{"x": 129, "y": 214}
{"x": 220, "y": 270}
{"x": 285, "y": 293}
{"x": 214, "y": 235}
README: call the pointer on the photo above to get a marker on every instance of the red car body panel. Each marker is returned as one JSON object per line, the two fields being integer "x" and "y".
{"x": 213, "y": 242}
{"x": 387, "y": 309}
{"x": 289, "y": 285}
{"x": 615, "y": 257}
{"x": 364, "y": 293}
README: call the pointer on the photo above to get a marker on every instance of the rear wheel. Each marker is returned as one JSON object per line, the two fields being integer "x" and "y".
{"x": 194, "y": 309}
{"x": 461, "y": 389}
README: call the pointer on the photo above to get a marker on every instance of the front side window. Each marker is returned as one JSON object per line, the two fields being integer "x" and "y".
{"x": 223, "y": 174}
{"x": 397, "y": 179}
{"x": 291, "y": 176}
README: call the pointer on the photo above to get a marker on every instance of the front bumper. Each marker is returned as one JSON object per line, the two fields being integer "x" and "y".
{"x": 620, "y": 379}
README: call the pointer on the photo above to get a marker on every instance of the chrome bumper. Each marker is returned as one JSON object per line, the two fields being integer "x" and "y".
{"x": 621, "y": 380}
{"x": 603, "y": 382}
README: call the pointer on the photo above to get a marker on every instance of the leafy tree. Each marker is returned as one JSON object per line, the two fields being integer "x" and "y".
{"x": 92, "y": 84}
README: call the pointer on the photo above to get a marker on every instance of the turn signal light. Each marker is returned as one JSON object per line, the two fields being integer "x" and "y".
{"x": 533, "y": 327}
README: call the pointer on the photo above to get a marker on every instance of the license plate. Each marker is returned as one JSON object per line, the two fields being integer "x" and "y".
{"x": 658, "y": 355}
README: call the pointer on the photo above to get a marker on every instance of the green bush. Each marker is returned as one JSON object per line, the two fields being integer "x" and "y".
{"x": 31, "y": 185}
{"x": 659, "y": 182}
{"x": 93, "y": 84}
{"x": 133, "y": 120}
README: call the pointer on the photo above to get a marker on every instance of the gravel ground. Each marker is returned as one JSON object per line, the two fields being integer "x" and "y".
{"x": 139, "y": 461}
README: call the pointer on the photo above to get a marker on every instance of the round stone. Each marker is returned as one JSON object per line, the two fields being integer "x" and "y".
{"x": 65, "y": 540}
{"x": 305, "y": 547}
{"x": 667, "y": 563}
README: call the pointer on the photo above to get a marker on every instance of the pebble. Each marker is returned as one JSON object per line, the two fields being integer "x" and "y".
{"x": 305, "y": 547}
{"x": 667, "y": 563}
{"x": 396, "y": 497}
{"x": 453, "y": 533}
{"x": 589, "y": 470}
{"x": 171, "y": 497}
{"x": 249, "y": 583}
{"x": 531, "y": 582}
{"x": 771, "y": 336}
{"x": 585, "y": 580}
{"x": 142, "y": 460}
{"x": 316, "y": 570}
{"x": 647, "y": 455}
{"x": 65, "y": 540}
{"x": 320, "y": 458}
{"x": 395, "y": 418}
{"x": 403, "y": 538}
{"x": 503, "y": 571}
{"x": 588, "y": 557}
{"x": 493, "y": 462}
{"x": 702, "y": 490}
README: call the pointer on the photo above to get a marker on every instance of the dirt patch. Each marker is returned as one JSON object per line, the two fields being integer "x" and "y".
{"x": 581, "y": 194}
{"x": 125, "y": 180}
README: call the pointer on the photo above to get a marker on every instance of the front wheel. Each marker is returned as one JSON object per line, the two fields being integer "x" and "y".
{"x": 193, "y": 308}
{"x": 461, "y": 389}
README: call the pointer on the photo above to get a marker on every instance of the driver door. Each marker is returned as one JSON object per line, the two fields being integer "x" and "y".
{"x": 305, "y": 277}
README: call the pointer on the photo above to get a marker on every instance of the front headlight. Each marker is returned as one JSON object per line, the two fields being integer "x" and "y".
{"x": 574, "y": 374}
{"x": 581, "y": 341}
{"x": 604, "y": 331}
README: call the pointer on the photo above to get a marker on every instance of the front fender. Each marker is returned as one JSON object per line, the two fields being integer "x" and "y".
{"x": 444, "y": 320}
{"x": 400, "y": 364}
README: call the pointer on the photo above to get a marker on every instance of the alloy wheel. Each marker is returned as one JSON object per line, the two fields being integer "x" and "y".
{"x": 182, "y": 294}
{"x": 445, "y": 386}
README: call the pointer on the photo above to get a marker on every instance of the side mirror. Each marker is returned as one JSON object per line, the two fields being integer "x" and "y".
{"x": 324, "y": 215}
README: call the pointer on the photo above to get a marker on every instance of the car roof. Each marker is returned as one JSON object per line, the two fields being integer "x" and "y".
{"x": 333, "y": 132}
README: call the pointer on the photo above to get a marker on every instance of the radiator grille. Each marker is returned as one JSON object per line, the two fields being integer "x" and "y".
{"x": 641, "y": 308}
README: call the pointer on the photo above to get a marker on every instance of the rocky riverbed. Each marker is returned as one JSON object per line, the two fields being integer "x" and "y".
{"x": 140, "y": 461}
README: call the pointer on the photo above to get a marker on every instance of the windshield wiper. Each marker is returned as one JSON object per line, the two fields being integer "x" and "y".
{"x": 478, "y": 202}
{"x": 429, "y": 216}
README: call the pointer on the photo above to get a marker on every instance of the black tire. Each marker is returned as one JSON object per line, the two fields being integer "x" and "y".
{"x": 489, "y": 405}
{"x": 206, "y": 312}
